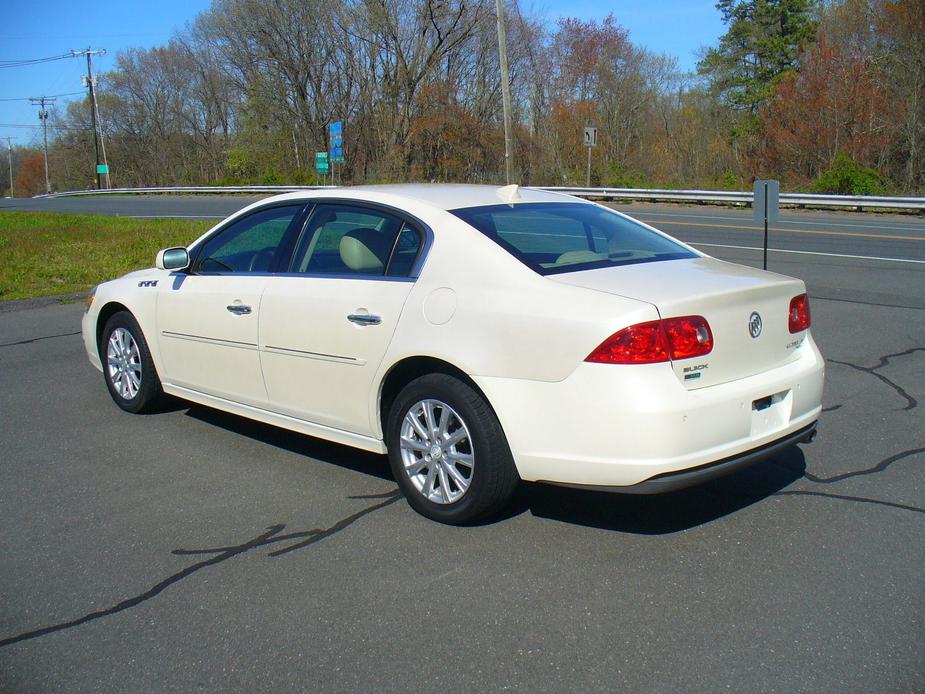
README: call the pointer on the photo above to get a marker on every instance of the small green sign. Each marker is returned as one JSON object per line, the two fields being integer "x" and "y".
{"x": 102, "y": 168}
{"x": 321, "y": 162}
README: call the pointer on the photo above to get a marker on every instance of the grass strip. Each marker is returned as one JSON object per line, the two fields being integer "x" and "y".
{"x": 47, "y": 253}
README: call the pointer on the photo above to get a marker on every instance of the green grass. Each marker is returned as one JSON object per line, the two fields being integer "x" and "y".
{"x": 44, "y": 253}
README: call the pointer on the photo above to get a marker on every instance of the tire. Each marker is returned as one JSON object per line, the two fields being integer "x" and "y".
{"x": 471, "y": 478}
{"x": 127, "y": 366}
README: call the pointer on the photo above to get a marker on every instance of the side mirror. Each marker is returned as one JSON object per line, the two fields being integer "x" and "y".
{"x": 172, "y": 259}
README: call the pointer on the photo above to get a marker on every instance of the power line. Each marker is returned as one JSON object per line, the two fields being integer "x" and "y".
{"x": 53, "y": 96}
{"x": 33, "y": 61}
{"x": 29, "y": 125}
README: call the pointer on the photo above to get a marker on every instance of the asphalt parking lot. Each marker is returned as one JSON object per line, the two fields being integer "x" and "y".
{"x": 191, "y": 549}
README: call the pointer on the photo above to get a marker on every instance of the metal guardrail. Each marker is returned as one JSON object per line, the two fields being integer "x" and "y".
{"x": 745, "y": 197}
{"x": 702, "y": 196}
{"x": 184, "y": 189}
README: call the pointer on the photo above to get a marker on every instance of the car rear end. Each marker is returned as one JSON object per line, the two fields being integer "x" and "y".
{"x": 727, "y": 374}
{"x": 623, "y": 422}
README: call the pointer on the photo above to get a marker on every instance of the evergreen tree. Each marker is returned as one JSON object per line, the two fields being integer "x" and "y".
{"x": 761, "y": 43}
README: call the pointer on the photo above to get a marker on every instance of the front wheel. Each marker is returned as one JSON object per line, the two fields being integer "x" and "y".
{"x": 448, "y": 452}
{"x": 127, "y": 365}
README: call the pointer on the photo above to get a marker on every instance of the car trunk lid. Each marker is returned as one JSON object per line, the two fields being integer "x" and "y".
{"x": 727, "y": 295}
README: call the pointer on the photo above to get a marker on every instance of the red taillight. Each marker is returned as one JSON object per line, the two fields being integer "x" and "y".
{"x": 656, "y": 341}
{"x": 798, "y": 318}
{"x": 643, "y": 343}
{"x": 689, "y": 336}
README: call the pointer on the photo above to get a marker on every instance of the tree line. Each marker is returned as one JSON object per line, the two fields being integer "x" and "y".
{"x": 823, "y": 95}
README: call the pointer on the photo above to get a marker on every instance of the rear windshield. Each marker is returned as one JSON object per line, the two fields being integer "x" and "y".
{"x": 554, "y": 237}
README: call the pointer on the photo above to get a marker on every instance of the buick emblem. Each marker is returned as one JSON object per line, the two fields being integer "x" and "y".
{"x": 754, "y": 324}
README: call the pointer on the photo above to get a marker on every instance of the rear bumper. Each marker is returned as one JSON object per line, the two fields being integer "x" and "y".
{"x": 673, "y": 481}
{"x": 622, "y": 426}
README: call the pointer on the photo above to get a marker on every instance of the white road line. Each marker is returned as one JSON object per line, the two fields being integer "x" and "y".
{"x": 830, "y": 255}
{"x": 743, "y": 218}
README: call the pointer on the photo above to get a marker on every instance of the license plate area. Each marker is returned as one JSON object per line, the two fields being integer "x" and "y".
{"x": 771, "y": 412}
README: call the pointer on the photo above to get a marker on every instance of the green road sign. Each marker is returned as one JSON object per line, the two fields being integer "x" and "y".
{"x": 321, "y": 162}
{"x": 102, "y": 168}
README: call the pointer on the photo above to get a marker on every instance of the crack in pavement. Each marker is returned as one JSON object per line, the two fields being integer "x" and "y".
{"x": 879, "y": 467}
{"x": 36, "y": 339}
{"x": 859, "y": 499}
{"x": 271, "y": 536}
{"x": 911, "y": 403}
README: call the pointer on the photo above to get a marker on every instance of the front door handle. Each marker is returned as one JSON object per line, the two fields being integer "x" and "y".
{"x": 239, "y": 309}
{"x": 364, "y": 319}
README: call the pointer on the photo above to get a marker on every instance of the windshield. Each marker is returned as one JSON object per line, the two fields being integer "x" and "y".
{"x": 569, "y": 236}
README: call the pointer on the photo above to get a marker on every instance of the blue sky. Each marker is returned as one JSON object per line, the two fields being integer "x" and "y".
{"x": 36, "y": 29}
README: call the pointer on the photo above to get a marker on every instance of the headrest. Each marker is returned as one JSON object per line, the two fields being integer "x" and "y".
{"x": 574, "y": 257}
{"x": 364, "y": 250}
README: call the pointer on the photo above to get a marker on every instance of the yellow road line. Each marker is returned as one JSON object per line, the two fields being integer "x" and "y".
{"x": 792, "y": 231}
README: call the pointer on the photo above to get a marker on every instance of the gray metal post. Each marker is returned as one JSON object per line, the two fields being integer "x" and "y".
{"x": 766, "y": 226}
{"x": 588, "y": 178}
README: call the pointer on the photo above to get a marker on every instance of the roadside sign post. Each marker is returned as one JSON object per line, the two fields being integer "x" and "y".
{"x": 766, "y": 207}
{"x": 590, "y": 141}
{"x": 336, "y": 136}
{"x": 321, "y": 164}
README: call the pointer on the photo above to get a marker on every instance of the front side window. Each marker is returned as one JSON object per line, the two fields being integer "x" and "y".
{"x": 350, "y": 240}
{"x": 565, "y": 237}
{"x": 248, "y": 245}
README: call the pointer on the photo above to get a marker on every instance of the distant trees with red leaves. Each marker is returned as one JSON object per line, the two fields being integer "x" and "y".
{"x": 30, "y": 180}
{"x": 858, "y": 96}
{"x": 836, "y": 104}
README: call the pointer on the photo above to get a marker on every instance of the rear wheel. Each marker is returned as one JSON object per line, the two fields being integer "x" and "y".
{"x": 127, "y": 366}
{"x": 448, "y": 452}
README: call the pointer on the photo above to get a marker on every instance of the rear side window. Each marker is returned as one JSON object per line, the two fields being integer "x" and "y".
{"x": 346, "y": 240}
{"x": 555, "y": 237}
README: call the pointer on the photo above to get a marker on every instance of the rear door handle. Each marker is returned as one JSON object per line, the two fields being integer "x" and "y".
{"x": 239, "y": 309}
{"x": 364, "y": 319}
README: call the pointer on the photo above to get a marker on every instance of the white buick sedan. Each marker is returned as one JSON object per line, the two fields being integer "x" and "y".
{"x": 478, "y": 335}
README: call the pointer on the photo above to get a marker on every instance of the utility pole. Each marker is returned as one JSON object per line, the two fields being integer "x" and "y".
{"x": 9, "y": 144}
{"x": 97, "y": 136}
{"x": 505, "y": 91}
{"x": 40, "y": 101}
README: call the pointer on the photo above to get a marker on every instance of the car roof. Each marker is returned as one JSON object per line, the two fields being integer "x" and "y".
{"x": 444, "y": 196}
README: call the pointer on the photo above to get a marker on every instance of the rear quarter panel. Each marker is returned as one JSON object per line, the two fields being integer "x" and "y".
{"x": 478, "y": 308}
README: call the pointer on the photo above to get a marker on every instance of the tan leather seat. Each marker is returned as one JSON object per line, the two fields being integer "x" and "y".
{"x": 365, "y": 250}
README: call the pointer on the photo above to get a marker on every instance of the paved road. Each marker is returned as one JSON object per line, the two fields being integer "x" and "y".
{"x": 191, "y": 549}
{"x": 711, "y": 227}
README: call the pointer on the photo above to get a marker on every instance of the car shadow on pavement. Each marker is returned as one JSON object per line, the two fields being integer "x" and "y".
{"x": 372, "y": 464}
{"x": 639, "y": 514}
{"x": 661, "y": 514}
